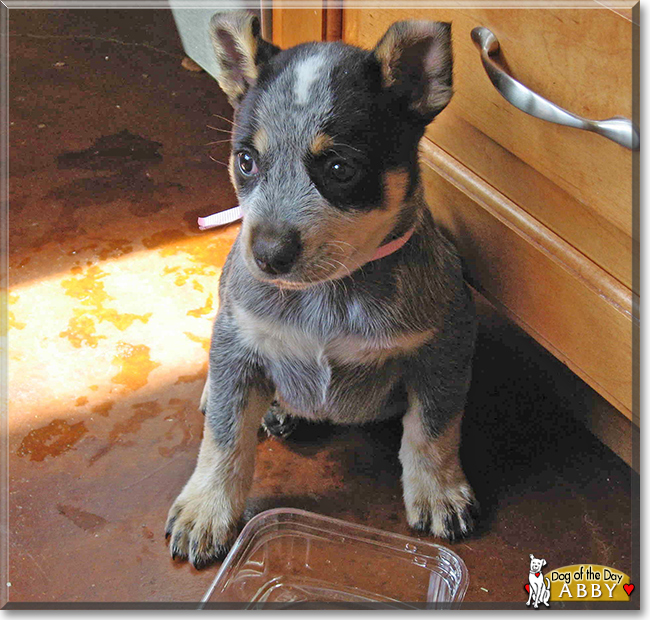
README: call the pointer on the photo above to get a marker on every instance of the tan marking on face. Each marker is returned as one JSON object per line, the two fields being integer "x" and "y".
{"x": 231, "y": 169}
{"x": 344, "y": 241}
{"x": 366, "y": 231}
{"x": 395, "y": 184}
{"x": 321, "y": 143}
{"x": 261, "y": 140}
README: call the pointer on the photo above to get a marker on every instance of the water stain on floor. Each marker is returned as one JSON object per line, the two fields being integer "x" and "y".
{"x": 207, "y": 308}
{"x": 163, "y": 238}
{"x": 111, "y": 248}
{"x": 51, "y": 440}
{"x": 90, "y": 291}
{"x": 143, "y": 412}
{"x": 82, "y": 331}
{"x": 135, "y": 366}
{"x": 208, "y": 250}
{"x": 113, "y": 152}
{"x": 82, "y": 519}
{"x": 14, "y": 323}
{"x": 197, "y": 376}
{"x": 204, "y": 342}
{"x": 180, "y": 423}
{"x": 183, "y": 274}
{"x": 103, "y": 409}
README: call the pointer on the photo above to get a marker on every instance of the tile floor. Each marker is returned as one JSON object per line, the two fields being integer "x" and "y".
{"x": 113, "y": 155}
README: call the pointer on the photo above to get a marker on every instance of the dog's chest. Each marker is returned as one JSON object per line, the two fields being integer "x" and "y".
{"x": 276, "y": 339}
{"x": 279, "y": 340}
{"x": 332, "y": 374}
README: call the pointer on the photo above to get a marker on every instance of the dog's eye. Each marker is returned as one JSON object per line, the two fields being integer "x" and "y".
{"x": 341, "y": 171}
{"x": 246, "y": 164}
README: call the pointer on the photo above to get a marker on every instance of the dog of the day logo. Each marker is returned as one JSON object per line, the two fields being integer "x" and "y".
{"x": 580, "y": 582}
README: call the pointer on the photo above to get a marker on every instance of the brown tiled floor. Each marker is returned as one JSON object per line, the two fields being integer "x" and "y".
{"x": 113, "y": 290}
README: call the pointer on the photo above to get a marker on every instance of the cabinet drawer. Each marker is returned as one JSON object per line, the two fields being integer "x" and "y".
{"x": 576, "y": 183}
{"x": 571, "y": 306}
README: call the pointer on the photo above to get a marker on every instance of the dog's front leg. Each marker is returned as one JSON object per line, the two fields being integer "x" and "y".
{"x": 438, "y": 498}
{"x": 531, "y": 592}
{"x": 202, "y": 521}
{"x": 536, "y": 597}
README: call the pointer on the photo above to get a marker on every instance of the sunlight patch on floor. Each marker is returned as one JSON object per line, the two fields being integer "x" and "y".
{"x": 109, "y": 329}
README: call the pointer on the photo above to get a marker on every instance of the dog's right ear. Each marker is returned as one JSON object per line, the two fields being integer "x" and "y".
{"x": 532, "y": 557}
{"x": 240, "y": 51}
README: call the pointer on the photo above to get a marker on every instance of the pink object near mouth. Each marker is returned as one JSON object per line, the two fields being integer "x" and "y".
{"x": 233, "y": 215}
{"x": 220, "y": 219}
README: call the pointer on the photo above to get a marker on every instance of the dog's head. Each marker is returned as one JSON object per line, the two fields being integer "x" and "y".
{"x": 324, "y": 148}
{"x": 536, "y": 564}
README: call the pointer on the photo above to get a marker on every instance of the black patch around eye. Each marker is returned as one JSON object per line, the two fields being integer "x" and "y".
{"x": 346, "y": 179}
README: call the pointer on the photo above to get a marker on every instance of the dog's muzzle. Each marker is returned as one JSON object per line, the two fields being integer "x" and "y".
{"x": 275, "y": 251}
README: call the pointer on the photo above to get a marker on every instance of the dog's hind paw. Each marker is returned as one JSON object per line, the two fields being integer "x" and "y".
{"x": 278, "y": 422}
{"x": 449, "y": 515}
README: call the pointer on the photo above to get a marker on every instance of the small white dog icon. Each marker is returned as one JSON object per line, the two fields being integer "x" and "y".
{"x": 539, "y": 591}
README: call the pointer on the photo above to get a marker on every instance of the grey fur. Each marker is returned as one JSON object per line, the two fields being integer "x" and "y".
{"x": 419, "y": 288}
{"x": 344, "y": 346}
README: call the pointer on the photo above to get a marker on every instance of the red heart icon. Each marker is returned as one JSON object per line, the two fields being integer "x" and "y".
{"x": 527, "y": 588}
{"x": 628, "y": 587}
{"x": 536, "y": 574}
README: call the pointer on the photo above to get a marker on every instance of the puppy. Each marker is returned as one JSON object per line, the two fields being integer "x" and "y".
{"x": 539, "y": 592}
{"x": 340, "y": 295}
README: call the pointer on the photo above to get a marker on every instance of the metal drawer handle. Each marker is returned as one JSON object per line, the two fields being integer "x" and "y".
{"x": 619, "y": 129}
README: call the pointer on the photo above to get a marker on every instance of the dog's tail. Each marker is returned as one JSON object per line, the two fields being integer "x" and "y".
{"x": 548, "y": 584}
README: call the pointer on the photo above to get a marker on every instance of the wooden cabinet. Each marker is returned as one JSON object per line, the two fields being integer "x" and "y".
{"x": 543, "y": 214}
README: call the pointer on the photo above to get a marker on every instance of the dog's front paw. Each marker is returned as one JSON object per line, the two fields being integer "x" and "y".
{"x": 448, "y": 512}
{"x": 199, "y": 529}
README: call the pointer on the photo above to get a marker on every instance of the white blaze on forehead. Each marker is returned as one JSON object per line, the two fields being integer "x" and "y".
{"x": 307, "y": 72}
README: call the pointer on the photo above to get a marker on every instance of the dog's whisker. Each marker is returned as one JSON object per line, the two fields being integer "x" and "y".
{"x": 358, "y": 265}
{"x": 217, "y": 142}
{"x": 224, "y": 118}
{"x": 219, "y": 129}
{"x": 336, "y": 242}
{"x": 347, "y": 269}
{"x": 217, "y": 161}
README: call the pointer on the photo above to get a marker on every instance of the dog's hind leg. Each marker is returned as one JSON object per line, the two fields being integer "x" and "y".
{"x": 202, "y": 521}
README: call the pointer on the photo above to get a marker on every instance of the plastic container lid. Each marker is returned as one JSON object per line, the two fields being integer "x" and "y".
{"x": 291, "y": 558}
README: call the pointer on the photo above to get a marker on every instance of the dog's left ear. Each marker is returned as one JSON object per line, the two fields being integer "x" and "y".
{"x": 416, "y": 63}
{"x": 543, "y": 562}
{"x": 240, "y": 51}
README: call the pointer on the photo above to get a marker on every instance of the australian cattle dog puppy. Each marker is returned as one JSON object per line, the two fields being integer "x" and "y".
{"x": 340, "y": 296}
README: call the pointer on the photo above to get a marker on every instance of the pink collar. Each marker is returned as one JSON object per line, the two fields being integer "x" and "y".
{"x": 394, "y": 245}
{"x": 234, "y": 215}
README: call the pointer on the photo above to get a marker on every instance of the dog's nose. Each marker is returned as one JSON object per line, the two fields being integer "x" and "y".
{"x": 276, "y": 251}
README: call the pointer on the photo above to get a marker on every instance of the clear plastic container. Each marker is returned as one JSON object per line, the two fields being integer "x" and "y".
{"x": 291, "y": 558}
